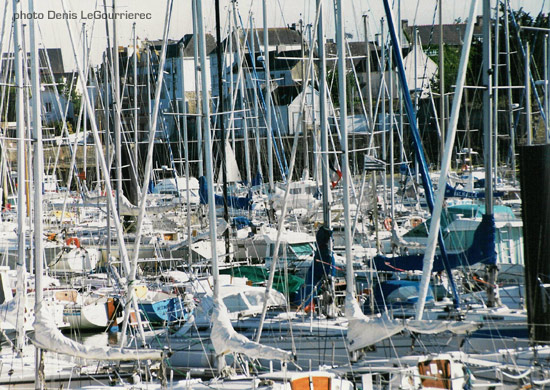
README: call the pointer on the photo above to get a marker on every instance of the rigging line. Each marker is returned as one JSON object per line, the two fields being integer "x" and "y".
{"x": 56, "y": 93}
{"x": 416, "y": 12}
{"x": 5, "y": 94}
{"x": 3, "y": 30}
{"x": 269, "y": 132}
{"x": 417, "y": 142}
{"x": 282, "y": 13}
{"x": 356, "y": 80}
{"x": 533, "y": 86}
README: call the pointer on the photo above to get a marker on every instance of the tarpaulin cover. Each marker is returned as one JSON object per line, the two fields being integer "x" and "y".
{"x": 323, "y": 266}
{"x": 482, "y": 250}
{"x": 232, "y": 201}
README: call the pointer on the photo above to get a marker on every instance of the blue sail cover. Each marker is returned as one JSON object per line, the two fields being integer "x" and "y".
{"x": 482, "y": 250}
{"x": 323, "y": 266}
{"x": 454, "y": 192}
{"x": 232, "y": 201}
{"x": 241, "y": 222}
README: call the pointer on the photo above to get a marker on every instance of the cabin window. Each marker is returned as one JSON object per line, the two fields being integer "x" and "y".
{"x": 301, "y": 249}
{"x": 235, "y": 303}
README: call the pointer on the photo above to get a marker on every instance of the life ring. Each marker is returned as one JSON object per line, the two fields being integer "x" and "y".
{"x": 73, "y": 241}
{"x": 387, "y": 223}
{"x": 464, "y": 167}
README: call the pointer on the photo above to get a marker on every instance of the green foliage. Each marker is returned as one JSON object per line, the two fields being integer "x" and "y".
{"x": 474, "y": 76}
{"x": 332, "y": 81}
{"x": 8, "y": 114}
{"x": 72, "y": 95}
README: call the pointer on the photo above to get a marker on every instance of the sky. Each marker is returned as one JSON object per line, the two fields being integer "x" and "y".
{"x": 54, "y": 32}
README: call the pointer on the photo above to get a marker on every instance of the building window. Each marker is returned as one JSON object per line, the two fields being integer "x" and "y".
{"x": 48, "y": 106}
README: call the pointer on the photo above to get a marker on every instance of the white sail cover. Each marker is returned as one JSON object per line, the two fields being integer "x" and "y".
{"x": 226, "y": 340}
{"x": 364, "y": 331}
{"x": 9, "y": 314}
{"x": 432, "y": 327}
{"x": 49, "y": 338}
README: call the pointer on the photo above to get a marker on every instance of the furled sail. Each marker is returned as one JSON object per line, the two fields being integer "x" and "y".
{"x": 364, "y": 331}
{"x": 322, "y": 267}
{"x": 242, "y": 203}
{"x": 436, "y": 326}
{"x": 226, "y": 340}
{"x": 48, "y": 337}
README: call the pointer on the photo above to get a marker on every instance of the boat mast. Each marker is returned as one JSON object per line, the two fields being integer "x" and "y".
{"x": 252, "y": 35}
{"x": 118, "y": 124}
{"x": 84, "y": 113}
{"x": 107, "y": 142}
{"x": 383, "y": 102}
{"x": 221, "y": 121}
{"x": 547, "y": 85}
{"x": 136, "y": 106}
{"x": 242, "y": 97}
{"x": 198, "y": 76}
{"x": 445, "y": 166}
{"x": 303, "y": 122}
{"x": 368, "y": 75}
{"x": 350, "y": 287}
{"x": 423, "y": 168}
{"x": 21, "y": 228}
{"x": 323, "y": 114}
{"x": 492, "y": 269}
{"x": 509, "y": 92}
{"x": 441, "y": 81}
{"x": 186, "y": 152}
{"x": 208, "y": 158}
{"x": 38, "y": 165}
{"x": 268, "y": 104}
{"x": 391, "y": 144}
{"x": 528, "y": 124}
{"x": 495, "y": 95}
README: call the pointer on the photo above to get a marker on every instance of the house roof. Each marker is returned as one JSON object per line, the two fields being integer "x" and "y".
{"x": 55, "y": 59}
{"x": 356, "y": 48}
{"x": 52, "y": 56}
{"x": 173, "y": 50}
{"x": 278, "y": 36}
{"x": 453, "y": 34}
{"x": 189, "y": 43}
{"x": 281, "y": 61}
